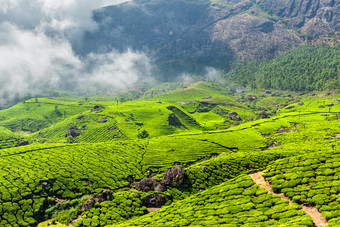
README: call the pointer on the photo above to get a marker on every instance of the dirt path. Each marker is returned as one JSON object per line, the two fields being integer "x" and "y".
{"x": 152, "y": 209}
{"x": 318, "y": 218}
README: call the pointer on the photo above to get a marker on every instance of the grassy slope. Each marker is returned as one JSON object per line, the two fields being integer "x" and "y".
{"x": 70, "y": 171}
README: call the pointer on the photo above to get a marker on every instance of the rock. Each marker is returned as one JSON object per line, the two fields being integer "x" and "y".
{"x": 83, "y": 127}
{"x": 204, "y": 168}
{"x": 301, "y": 104}
{"x": 234, "y": 116}
{"x": 130, "y": 178}
{"x": 147, "y": 184}
{"x": 106, "y": 195}
{"x": 97, "y": 108}
{"x": 155, "y": 200}
{"x": 325, "y": 94}
{"x": 22, "y": 143}
{"x": 139, "y": 124}
{"x": 160, "y": 188}
{"x": 112, "y": 128}
{"x": 136, "y": 195}
{"x": 289, "y": 107}
{"x": 330, "y": 105}
{"x": 174, "y": 176}
{"x": 268, "y": 92}
{"x": 251, "y": 98}
{"x": 173, "y": 120}
{"x": 81, "y": 117}
{"x": 102, "y": 121}
{"x": 263, "y": 114}
{"x": 73, "y": 131}
{"x": 88, "y": 204}
{"x": 318, "y": 18}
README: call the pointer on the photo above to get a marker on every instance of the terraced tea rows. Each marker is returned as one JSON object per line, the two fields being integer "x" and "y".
{"x": 32, "y": 180}
{"x": 8, "y": 138}
{"x": 310, "y": 180}
{"x": 236, "y": 202}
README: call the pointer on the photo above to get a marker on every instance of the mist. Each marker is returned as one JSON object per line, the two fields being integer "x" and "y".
{"x": 37, "y": 40}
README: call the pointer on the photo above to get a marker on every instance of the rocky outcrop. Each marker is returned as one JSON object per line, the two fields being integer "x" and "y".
{"x": 173, "y": 177}
{"x": 106, "y": 195}
{"x": 234, "y": 116}
{"x": 73, "y": 131}
{"x": 147, "y": 184}
{"x": 22, "y": 143}
{"x": 80, "y": 117}
{"x": 251, "y": 98}
{"x": 155, "y": 200}
{"x": 318, "y": 18}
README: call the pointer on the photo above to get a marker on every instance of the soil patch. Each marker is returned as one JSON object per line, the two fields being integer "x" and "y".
{"x": 318, "y": 218}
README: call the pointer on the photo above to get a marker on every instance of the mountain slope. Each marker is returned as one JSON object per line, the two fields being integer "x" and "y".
{"x": 318, "y": 18}
{"x": 183, "y": 35}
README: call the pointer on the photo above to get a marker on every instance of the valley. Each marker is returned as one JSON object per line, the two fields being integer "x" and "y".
{"x": 187, "y": 151}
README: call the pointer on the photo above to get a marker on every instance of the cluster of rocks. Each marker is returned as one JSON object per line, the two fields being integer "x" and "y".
{"x": 73, "y": 131}
{"x": 263, "y": 115}
{"x": 234, "y": 116}
{"x": 96, "y": 108}
{"x": 289, "y": 107}
{"x": 173, "y": 177}
{"x": 22, "y": 143}
{"x": 251, "y": 98}
{"x": 81, "y": 117}
{"x": 106, "y": 195}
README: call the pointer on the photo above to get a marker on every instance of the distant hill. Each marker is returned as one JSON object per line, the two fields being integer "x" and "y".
{"x": 187, "y": 35}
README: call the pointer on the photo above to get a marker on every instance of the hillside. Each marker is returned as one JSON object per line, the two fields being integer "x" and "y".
{"x": 186, "y": 35}
{"x": 193, "y": 155}
{"x": 307, "y": 68}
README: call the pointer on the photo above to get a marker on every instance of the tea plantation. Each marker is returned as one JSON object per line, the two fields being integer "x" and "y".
{"x": 182, "y": 152}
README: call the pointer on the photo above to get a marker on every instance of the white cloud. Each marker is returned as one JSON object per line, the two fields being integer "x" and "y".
{"x": 36, "y": 49}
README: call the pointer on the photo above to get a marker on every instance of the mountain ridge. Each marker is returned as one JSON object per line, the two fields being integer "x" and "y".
{"x": 186, "y": 36}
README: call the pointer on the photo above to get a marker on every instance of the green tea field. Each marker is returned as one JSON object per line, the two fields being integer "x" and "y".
{"x": 186, "y": 156}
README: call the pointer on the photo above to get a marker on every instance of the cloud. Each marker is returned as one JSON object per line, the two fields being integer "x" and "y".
{"x": 36, "y": 50}
{"x": 69, "y": 17}
{"x": 214, "y": 75}
{"x": 31, "y": 61}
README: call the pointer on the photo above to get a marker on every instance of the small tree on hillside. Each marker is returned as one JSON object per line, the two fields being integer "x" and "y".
{"x": 143, "y": 134}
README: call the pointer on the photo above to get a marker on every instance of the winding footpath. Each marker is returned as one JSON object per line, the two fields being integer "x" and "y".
{"x": 317, "y": 217}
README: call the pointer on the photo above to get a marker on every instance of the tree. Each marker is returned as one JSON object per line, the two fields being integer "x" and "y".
{"x": 143, "y": 134}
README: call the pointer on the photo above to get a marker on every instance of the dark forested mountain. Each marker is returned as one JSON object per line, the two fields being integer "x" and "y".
{"x": 187, "y": 35}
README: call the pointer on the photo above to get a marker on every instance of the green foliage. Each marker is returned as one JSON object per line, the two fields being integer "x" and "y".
{"x": 306, "y": 68}
{"x": 44, "y": 181}
{"x": 123, "y": 206}
{"x": 311, "y": 179}
{"x": 143, "y": 134}
{"x": 239, "y": 201}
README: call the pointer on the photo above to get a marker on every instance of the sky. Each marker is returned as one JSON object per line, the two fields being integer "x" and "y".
{"x": 36, "y": 50}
